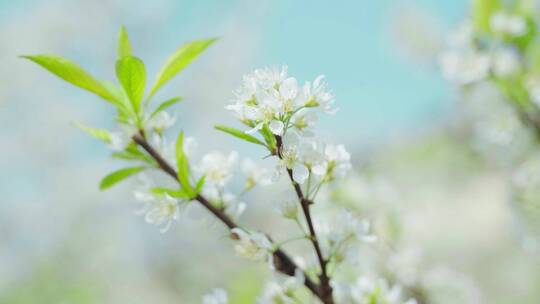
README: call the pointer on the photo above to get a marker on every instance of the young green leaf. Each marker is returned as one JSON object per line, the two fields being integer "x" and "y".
{"x": 165, "y": 105}
{"x": 132, "y": 75}
{"x": 72, "y": 73}
{"x": 240, "y": 134}
{"x": 269, "y": 138}
{"x": 124, "y": 47}
{"x": 482, "y": 12}
{"x": 118, "y": 176}
{"x": 132, "y": 153}
{"x": 100, "y": 134}
{"x": 200, "y": 184}
{"x": 179, "y": 60}
{"x": 183, "y": 165}
{"x": 172, "y": 192}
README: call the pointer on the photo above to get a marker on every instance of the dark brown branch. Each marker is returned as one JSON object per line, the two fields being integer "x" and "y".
{"x": 305, "y": 202}
{"x": 282, "y": 261}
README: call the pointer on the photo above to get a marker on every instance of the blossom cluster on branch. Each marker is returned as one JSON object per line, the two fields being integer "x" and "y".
{"x": 279, "y": 115}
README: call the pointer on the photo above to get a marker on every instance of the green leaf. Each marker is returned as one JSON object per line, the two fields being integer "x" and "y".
{"x": 200, "y": 184}
{"x": 100, "y": 134}
{"x": 482, "y": 12}
{"x": 165, "y": 105}
{"x": 132, "y": 153}
{"x": 132, "y": 75}
{"x": 124, "y": 47}
{"x": 178, "y": 193}
{"x": 72, "y": 73}
{"x": 118, "y": 176}
{"x": 240, "y": 134}
{"x": 183, "y": 166}
{"x": 269, "y": 137}
{"x": 179, "y": 60}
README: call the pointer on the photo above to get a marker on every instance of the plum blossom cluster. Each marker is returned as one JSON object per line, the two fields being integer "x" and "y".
{"x": 496, "y": 46}
{"x": 493, "y": 58}
{"x": 269, "y": 98}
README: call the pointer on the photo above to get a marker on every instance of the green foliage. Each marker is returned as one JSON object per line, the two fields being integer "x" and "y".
{"x": 183, "y": 166}
{"x": 200, "y": 184}
{"x": 482, "y": 12}
{"x": 73, "y": 74}
{"x": 165, "y": 105}
{"x": 176, "y": 193}
{"x": 100, "y": 134}
{"x": 118, "y": 176}
{"x": 132, "y": 75}
{"x": 269, "y": 138}
{"x": 124, "y": 47}
{"x": 240, "y": 134}
{"x": 132, "y": 153}
{"x": 179, "y": 60}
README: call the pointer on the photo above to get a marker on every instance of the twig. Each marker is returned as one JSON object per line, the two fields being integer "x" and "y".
{"x": 325, "y": 287}
{"x": 282, "y": 261}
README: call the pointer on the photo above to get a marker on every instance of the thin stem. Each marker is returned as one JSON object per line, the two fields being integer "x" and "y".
{"x": 326, "y": 289}
{"x": 282, "y": 261}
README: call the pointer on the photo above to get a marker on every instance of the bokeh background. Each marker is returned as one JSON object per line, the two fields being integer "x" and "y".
{"x": 64, "y": 241}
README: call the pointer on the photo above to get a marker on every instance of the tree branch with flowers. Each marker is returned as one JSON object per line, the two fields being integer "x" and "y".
{"x": 278, "y": 114}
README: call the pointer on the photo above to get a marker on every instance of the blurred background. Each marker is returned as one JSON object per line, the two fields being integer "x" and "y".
{"x": 64, "y": 241}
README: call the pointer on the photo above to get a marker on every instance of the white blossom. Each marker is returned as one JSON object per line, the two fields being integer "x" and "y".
{"x": 289, "y": 208}
{"x": 317, "y": 95}
{"x": 121, "y": 138}
{"x": 161, "y": 121}
{"x": 303, "y": 121}
{"x": 252, "y": 245}
{"x": 464, "y": 66}
{"x": 505, "y": 62}
{"x": 338, "y": 160}
{"x": 218, "y": 167}
{"x": 255, "y": 175}
{"x": 217, "y": 296}
{"x": 159, "y": 210}
{"x": 366, "y": 290}
{"x": 508, "y": 24}
{"x": 269, "y": 98}
{"x": 282, "y": 292}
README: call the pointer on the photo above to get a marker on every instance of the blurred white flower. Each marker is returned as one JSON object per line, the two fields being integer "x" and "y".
{"x": 342, "y": 233}
{"x": 159, "y": 210}
{"x": 161, "y": 121}
{"x": 217, "y": 296}
{"x": 217, "y": 167}
{"x": 338, "y": 160}
{"x": 255, "y": 174}
{"x": 532, "y": 83}
{"x": 508, "y": 24}
{"x": 464, "y": 66}
{"x": 505, "y": 62}
{"x": 368, "y": 290}
{"x": 282, "y": 291}
{"x": 289, "y": 208}
{"x": 121, "y": 138}
{"x": 252, "y": 245}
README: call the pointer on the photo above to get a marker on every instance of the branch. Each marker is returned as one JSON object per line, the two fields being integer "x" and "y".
{"x": 282, "y": 261}
{"x": 325, "y": 288}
